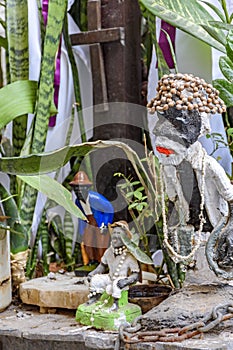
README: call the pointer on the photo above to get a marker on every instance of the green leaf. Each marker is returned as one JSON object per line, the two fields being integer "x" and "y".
{"x": 139, "y": 207}
{"x": 47, "y": 162}
{"x": 56, "y": 12}
{"x": 226, "y": 66}
{"x": 221, "y": 25}
{"x": 188, "y": 16}
{"x": 136, "y": 251}
{"x": 135, "y": 183}
{"x": 229, "y": 45}
{"x": 138, "y": 194}
{"x": 129, "y": 194}
{"x": 54, "y": 191}
{"x": 230, "y": 131}
{"x": 17, "y": 99}
{"x": 217, "y": 35}
{"x": 18, "y": 234}
{"x": 132, "y": 205}
{"x": 3, "y": 42}
{"x": 225, "y": 91}
{"x": 216, "y": 10}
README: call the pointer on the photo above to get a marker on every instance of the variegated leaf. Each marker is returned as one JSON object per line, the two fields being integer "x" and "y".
{"x": 188, "y": 16}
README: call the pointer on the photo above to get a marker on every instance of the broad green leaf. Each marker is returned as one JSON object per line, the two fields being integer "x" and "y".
{"x": 47, "y": 162}
{"x": 220, "y": 25}
{"x": 229, "y": 45}
{"x": 226, "y": 91}
{"x": 16, "y": 99}
{"x": 136, "y": 251}
{"x": 226, "y": 66}
{"x": 216, "y": 10}
{"x": 188, "y": 16}
{"x": 217, "y": 35}
{"x": 54, "y": 191}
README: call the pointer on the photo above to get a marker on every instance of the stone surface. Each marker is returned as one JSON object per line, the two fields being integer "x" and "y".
{"x": 61, "y": 291}
{"x": 24, "y": 328}
{"x": 187, "y": 306}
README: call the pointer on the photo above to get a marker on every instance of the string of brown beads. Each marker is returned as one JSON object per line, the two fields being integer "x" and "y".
{"x": 186, "y": 92}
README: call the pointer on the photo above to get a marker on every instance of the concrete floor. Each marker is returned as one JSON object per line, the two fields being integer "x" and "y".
{"x": 22, "y": 327}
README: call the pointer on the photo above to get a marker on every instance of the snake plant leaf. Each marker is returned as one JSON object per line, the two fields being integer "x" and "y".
{"x": 188, "y": 16}
{"x": 135, "y": 250}
{"x": 54, "y": 191}
{"x": 3, "y": 42}
{"x": 226, "y": 91}
{"x": 18, "y": 234}
{"x": 17, "y": 37}
{"x": 18, "y": 56}
{"x": 226, "y": 66}
{"x": 17, "y": 99}
{"x": 56, "y": 13}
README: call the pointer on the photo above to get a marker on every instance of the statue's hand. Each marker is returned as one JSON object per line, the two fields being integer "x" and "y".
{"x": 89, "y": 277}
{"x": 123, "y": 283}
{"x": 103, "y": 229}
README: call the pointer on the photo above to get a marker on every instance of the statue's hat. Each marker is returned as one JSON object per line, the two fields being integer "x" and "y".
{"x": 80, "y": 178}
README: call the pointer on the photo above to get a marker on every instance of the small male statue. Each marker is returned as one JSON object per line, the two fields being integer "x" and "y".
{"x": 123, "y": 268}
{"x": 99, "y": 213}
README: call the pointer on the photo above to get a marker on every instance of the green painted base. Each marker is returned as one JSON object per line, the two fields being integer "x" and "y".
{"x": 100, "y": 316}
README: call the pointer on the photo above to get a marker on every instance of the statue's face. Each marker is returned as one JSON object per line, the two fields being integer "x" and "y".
{"x": 81, "y": 191}
{"x": 177, "y": 130}
{"x": 116, "y": 237}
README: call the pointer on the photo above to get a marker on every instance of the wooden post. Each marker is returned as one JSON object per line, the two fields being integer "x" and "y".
{"x": 114, "y": 34}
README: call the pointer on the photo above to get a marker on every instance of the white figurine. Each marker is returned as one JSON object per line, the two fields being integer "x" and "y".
{"x": 199, "y": 191}
{"x": 123, "y": 268}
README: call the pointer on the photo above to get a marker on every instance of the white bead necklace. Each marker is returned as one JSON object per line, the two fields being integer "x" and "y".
{"x": 121, "y": 262}
{"x": 174, "y": 254}
{"x": 118, "y": 250}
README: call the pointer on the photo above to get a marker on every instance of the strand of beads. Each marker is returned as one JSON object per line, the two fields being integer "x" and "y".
{"x": 97, "y": 308}
{"x": 121, "y": 262}
{"x": 119, "y": 250}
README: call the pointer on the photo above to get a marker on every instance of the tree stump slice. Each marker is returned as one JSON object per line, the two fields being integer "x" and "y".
{"x": 63, "y": 291}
